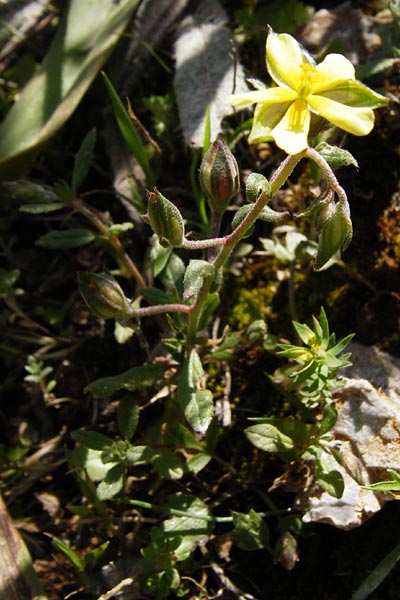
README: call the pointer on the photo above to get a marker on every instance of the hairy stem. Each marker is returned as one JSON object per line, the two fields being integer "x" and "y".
{"x": 97, "y": 219}
{"x": 229, "y": 242}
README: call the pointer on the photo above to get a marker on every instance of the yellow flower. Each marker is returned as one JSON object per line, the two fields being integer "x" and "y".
{"x": 329, "y": 90}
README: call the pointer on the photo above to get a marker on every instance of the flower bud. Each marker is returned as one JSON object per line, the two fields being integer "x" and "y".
{"x": 103, "y": 295}
{"x": 165, "y": 219}
{"x": 323, "y": 211}
{"x": 219, "y": 175}
{"x": 335, "y": 234}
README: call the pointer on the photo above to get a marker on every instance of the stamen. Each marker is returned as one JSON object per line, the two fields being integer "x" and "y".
{"x": 307, "y": 72}
{"x": 298, "y": 115}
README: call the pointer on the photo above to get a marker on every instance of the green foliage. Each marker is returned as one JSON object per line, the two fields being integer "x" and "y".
{"x": 158, "y": 563}
{"x": 390, "y": 485}
{"x": 85, "y": 31}
{"x": 70, "y": 238}
{"x": 251, "y": 531}
{"x": 83, "y": 160}
{"x": 8, "y": 279}
{"x": 79, "y": 564}
{"x": 311, "y": 381}
{"x": 151, "y": 449}
{"x": 38, "y": 373}
{"x": 377, "y": 575}
{"x": 318, "y": 361}
{"x": 129, "y": 132}
{"x": 197, "y": 403}
{"x": 336, "y": 157}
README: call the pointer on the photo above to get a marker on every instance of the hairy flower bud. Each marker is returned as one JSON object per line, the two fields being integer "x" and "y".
{"x": 103, "y": 295}
{"x": 165, "y": 219}
{"x": 219, "y": 175}
{"x": 335, "y": 233}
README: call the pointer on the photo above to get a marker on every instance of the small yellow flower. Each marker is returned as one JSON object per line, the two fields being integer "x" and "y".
{"x": 329, "y": 90}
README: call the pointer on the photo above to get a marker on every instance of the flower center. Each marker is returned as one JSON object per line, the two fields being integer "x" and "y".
{"x": 307, "y": 73}
{"x": 298, "y": 115}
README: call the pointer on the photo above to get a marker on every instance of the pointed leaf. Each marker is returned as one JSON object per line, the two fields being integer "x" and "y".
{"x": 189, "y": 528}
{"x": 167, "y": 463}
{"x": 251, "y": 532}
{"x": 86, "y": 35}
{"x": 128, "y": 416}
{"x": 336, "y": 157}
{"x": 70, "y": 238}
{"x": 269, "y": 438}
{"x": 113, "y": 482}
{"x": 129, "y": 131}
{"x": 136, "y": 378}
{"x": 92, "y": 439}
{"x": 378, "y": 575}
{"x": 83, "y": 160}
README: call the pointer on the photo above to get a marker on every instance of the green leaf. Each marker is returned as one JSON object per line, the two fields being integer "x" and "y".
{"x": 113, "y": 482}
{"x": 118, "y": 229}
{"x": 394, "y": 6}
{"x": 197, "y": 272}
{"x": 70, "y": 238}
{"x": 127, "y": 416}
{"x": 92, "y": 439}
{"x": 196, "y": 463}
{"x": 83, "y": 160}
{"x": 329, "y": 418}
{"x": 392, "y": 485}
{"x": 129, "y": 132}
{"x": 378, "y": 575}
{"x": 210, "y": 305}
{"x": 269, "y": 438}
{"x": 136, "y": 378}
{"x": 159, "y": 256}
{"x": 154, "y": 295}
{"x": 330, "y": 481}
{"x": 181, "y": 436}
{"x": 7, "y": 281}
{"x": 251, "y": 532}
{"x": 167, "y": 463}
{"x": 188, "y": 528}
{"x": 65, "y": 549}
{"x": 138, "y": 454}
{"x": 23, "y": 190}
{"x": 199, "y": 411}
{"x": 95, "y": 554}
{"x": 385, "y": 486}
{"x": 197, "y": 404}
{"x": 304, "y": 332}
{"x": 336, "y": 157}
{"x": 86, "y": 35}
{"x": 40, "y": 208}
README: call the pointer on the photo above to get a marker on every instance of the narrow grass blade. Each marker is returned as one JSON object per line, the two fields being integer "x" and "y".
{"x": 378, "y": 575}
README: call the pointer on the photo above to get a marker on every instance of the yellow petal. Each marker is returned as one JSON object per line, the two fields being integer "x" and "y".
{"x": 354, "y": 119}
{"x": 284, "y": 58}
{"x": 354, "y": 93}
{"x": 332, "y": 70}
{"x": 291, "y": 132}
{"x": 266, "y": 117}
{"x": 265, "y": 96}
